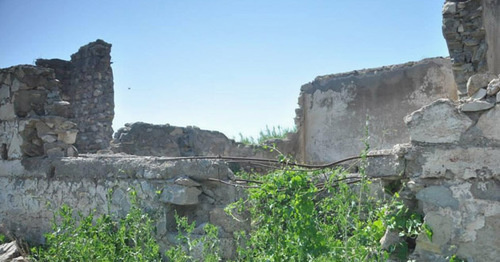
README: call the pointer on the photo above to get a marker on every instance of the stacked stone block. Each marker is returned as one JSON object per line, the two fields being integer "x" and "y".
{"x": 32, "y": 115}
{"x": 465, "y": 35}
{"x": 87, "y": 83}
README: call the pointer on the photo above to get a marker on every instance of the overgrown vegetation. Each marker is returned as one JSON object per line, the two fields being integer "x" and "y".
{"x": 269, "y": 133}
{"x": 296, "y": 215}
{"x": 205, "y": 248}
{"x": 82, "y": 239}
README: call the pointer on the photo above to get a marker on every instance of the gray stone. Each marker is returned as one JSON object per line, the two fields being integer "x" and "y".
{"x": 487, "y": 190}
{"x": 449, "y": 8}
{"x": 4, "y": 93}
{"x": 220, "y": 218}
{"x": 493, "y": 87}
{"x": 7, "y": 112}
{"x": 180, "y": 195}
{"x": 17, "y": 85}
{"x": 498, "y": 98}
{"x": 186, "y": 181}
{"x": 476, "y": 105}
{"x": 48, "y": 138}
{"x": 439, "y": 196}
{"x": 389, "y": 166}
{"x": 390, "y": 239}
{"x": 43, "y": 129}
{"x": 55, "y": 152}
{"x": 488, "y": 123}
{"x": 439, "y": 122}
{"x": 71, "y": 151}
{"x": 480, "y": 94}
{"x": 14, "y": 148}
{"x": 478, "y": 81}
{"x": 68, "y": 137}
{"x": 9, "y": 251}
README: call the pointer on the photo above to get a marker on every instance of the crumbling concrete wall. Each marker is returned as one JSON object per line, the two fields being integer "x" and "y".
{"x": 33, "y": 188}
{"x": 32, "y": 115}
{"x": 87, "y": 83}
{"x": 334, "y": 108}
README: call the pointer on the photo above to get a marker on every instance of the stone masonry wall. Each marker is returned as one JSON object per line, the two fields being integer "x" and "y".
{"x": 334, "y": 108}
{"x": 87, "y": 83}
{"x": 472, "y": 32}
{"x": 32, "y": 115}
{"x": 491, "y": 18}
{"x": 465, "y": 36}
{"x": 453, "y": 170}
{"x": 92, "y": 182}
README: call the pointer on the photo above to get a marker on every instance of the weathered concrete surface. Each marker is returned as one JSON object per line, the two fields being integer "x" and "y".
{"x": 334, "y": 108}
{"x": 33, "y": 188}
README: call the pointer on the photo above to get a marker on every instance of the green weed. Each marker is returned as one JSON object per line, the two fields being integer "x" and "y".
{"x": 82, "y": 239}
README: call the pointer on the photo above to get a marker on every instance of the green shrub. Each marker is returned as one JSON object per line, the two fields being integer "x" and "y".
{"x": 297, "y": 219}
{"x": 185, "y": 251}
{"x": 82, "y": 239}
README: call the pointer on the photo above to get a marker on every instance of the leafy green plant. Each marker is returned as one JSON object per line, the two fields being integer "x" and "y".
{"x": 82, "y": 239}
{"x": 188, "y": 244}
{"x": 295, "y": 218}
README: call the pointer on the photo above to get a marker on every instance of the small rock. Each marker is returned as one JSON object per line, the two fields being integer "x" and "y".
{"x": 498, "y": 97}
{"x": 488, "y": 123}
{"x": 55, "y": 152}
{"x": 476, "y": 105}
{"x": 439, "y": 122}
{"x": 49, "y": 138}
{"x": 438, "y": 196}
{"x": 449, "y": 8}
{"x": 71, "y": 151}
{"x": 478, "y": 81}
{"x": 68, "y": 137}
{"x": 180, "y": 195}
{"x": 493, "y": 87}
{"x": 9, "y": 251}
{"x": 7, "y": 112}
{"x": 390, "y": 238}
{"x": 186, "y": 181}
{"x": 480, "y": 94}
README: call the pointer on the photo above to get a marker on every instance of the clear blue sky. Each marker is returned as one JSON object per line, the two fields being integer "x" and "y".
{"x": 232, "y": 66}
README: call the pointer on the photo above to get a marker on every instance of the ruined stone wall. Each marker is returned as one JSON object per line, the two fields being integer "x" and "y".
{"x": 453, "y": 170}
{"x": 334, "y": 108}
{"x": 465, "y": 34}
{"x": 144, "y": 139}
{"x": 491, "y": 18}
{"x": 471, "y": 29}
{"x": 32, "y": 115}
{"x": 87, "y": 83}
{"x": 32, "y": 189}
